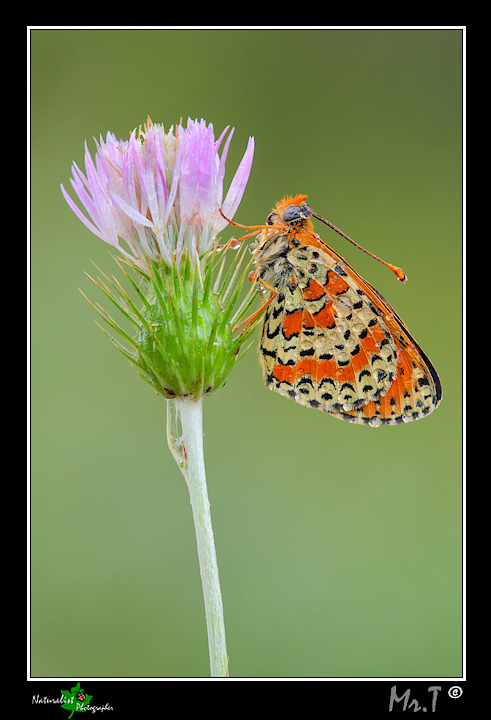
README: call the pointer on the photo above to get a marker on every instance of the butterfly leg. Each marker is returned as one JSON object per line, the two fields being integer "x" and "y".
{"x": 248, "y": 321}
{"x": 236, "y": 241}
{"x": 246, "y": 227}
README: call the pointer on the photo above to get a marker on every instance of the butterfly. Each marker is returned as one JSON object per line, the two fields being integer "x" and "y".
{"x": 329, "y": 340}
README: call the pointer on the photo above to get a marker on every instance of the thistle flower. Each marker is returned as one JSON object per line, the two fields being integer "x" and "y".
{"x": 156, "y": 198}
{"x": 160, "y": 194}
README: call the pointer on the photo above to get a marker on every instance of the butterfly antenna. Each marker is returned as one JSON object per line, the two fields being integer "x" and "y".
{"x": 400, "y": 274}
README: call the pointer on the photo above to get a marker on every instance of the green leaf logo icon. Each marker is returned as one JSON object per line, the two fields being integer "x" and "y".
{"x": 75, "y": 700}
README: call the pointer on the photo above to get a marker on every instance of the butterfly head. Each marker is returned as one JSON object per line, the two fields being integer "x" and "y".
{"x": 291, "y": 212}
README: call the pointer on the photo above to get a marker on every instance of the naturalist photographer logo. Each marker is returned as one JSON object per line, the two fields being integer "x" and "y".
{"x": 73, "y": 700}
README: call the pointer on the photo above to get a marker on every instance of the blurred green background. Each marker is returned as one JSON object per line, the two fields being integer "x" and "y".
{"x": 339, "y": 546}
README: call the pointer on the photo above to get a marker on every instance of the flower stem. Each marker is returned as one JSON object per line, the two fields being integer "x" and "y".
{"x": 190, "y": 412}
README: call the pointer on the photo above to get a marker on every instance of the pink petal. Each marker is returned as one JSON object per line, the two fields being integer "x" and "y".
{"x": 237, "y": 187}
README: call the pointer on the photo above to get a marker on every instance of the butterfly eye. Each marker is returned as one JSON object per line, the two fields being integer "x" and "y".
{"x": 271, "y": 219}
{"x": 296, "y": 213}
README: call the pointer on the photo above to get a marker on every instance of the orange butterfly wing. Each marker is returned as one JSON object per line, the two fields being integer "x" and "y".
{"x": 332, "y": 342}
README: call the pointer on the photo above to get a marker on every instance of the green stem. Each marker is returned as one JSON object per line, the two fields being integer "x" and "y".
{"x": 192, "y": 466}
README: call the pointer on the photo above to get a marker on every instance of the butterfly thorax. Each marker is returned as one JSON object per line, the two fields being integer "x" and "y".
{"x": 275, "y": 250}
